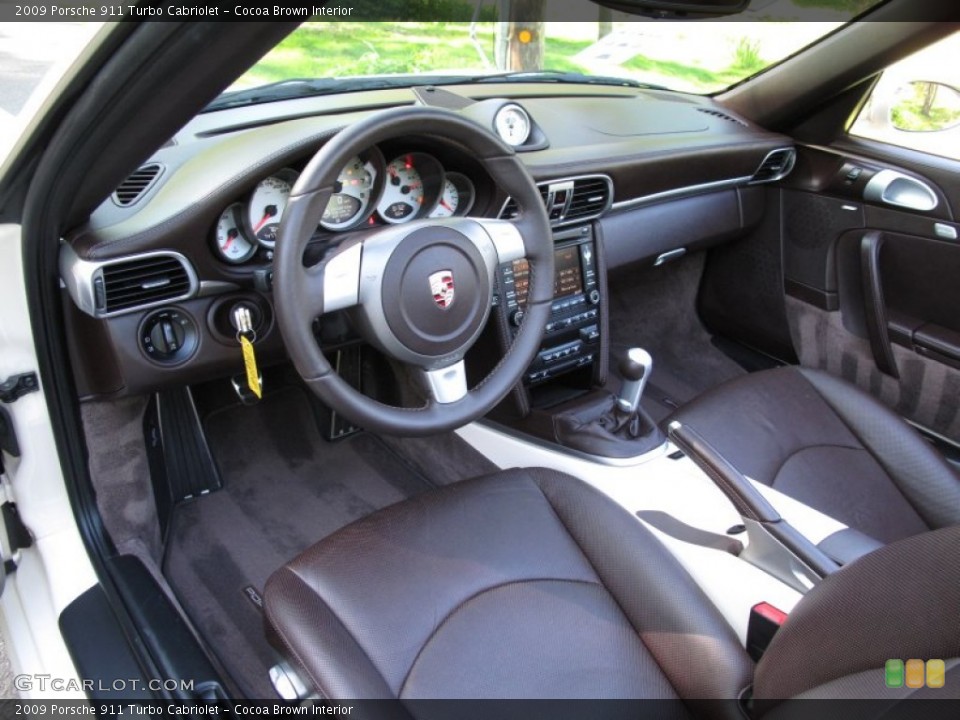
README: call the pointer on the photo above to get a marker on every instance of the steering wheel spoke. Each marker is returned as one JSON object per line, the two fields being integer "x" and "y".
{"x": 506, "y": 238}
{"x": 446, "y": 385}
{"x": 340, "y": 278}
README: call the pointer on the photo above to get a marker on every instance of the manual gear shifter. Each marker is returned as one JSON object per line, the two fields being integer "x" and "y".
{"x": 603, "y": 424}
{"x": 635, "y": 368}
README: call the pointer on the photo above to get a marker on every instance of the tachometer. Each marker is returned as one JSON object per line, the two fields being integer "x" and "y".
{"x": 351, "y": 196}
{"x": 402, "y": 198}
{"x": 267, "y": 204}
{"x": 230, "y": 241}
{"x": 456, "y": 198}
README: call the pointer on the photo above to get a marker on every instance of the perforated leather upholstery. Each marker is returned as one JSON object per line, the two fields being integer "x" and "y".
{"x": 828, "y": 444}
{"x": 527, "y": 583}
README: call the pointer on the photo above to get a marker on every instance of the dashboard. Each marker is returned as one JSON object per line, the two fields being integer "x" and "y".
{"x": 154, "y": 278}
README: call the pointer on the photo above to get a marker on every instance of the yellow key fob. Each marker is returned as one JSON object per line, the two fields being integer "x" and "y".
{"x": 250, "y": 364}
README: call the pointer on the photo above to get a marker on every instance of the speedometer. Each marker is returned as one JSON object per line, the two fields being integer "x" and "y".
{"x": 351, "y": 194}
{"x": 402, "y": 197}
{"x": 266, "y": 206}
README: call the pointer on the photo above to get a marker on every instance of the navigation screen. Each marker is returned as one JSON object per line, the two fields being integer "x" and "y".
{"x": 567, "y": 276}
{"x": 567, "y": 280}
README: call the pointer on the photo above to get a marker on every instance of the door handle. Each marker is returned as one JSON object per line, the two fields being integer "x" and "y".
{"x": 894, "y": 188}
{"x": 875, "y": 310}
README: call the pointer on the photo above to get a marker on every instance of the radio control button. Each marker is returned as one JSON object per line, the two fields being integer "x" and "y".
{"x": 589, "y": 334}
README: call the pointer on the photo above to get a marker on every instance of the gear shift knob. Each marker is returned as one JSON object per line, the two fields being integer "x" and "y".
{"x": 635, "y": 369}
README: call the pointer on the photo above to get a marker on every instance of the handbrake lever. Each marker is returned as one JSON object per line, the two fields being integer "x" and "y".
{"x": 774, "y": 544}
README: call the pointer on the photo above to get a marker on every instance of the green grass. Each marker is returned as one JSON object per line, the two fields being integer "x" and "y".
{"x": 696, "y": 76}
{"x": 336, "y": 49}
{"x": 918, "y": 113}
{"x": 344, "y": 49}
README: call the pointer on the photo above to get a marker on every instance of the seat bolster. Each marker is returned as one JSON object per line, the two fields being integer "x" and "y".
{"x": 758, "y": 421}
{"x": 695, "y": 647}
{"x": 900, "y": 601}
{"x": 919, "y": 471}
{"x": 338, "y": 667}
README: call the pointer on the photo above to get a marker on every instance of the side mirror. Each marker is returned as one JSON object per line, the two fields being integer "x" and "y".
{"x": 677, "y": 9}
{"x": 925, "y": 106}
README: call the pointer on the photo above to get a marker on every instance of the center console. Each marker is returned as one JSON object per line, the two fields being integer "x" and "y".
{"x": 562, "y": 397}
{"x": 572, "y": 336}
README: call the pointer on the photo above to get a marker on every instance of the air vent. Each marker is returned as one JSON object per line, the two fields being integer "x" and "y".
{"x": 137, "y": 184}
{"x": 721, "y": 115}
{"x": 571, "y": 199}
{"x": 775, "y": 166}
{"x": 591, "y": 196}
{"x": 140, "y": 282}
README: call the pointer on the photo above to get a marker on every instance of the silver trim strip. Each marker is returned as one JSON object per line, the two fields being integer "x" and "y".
{"x": 687, "y": 191}
{"x": 549, "y": 184}
{"x": 80, "y": 276}
{"x": 691, "y": 190}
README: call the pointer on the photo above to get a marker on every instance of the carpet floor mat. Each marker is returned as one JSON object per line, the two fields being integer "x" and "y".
{"x": 284, "y": 488}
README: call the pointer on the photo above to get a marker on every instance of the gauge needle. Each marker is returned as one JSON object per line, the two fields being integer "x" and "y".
{"x": 443, "y": 203}
{"x": 268, "y": 212}
{"x": 230, "y": 236}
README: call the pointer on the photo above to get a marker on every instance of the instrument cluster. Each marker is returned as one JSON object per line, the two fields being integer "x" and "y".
{"x": 370, "y": 190}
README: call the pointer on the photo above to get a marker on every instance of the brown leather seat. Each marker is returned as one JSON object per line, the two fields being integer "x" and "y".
{"x": 831, "y": 446}
{"x": 527, "y": 583}
{"x": 530, "y": 584}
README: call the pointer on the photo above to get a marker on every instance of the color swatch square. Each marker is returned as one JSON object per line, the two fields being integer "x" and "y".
{"x": 936, "y": 673}
{"x": 893, "y": 673}
{"x": 914, "y": 673}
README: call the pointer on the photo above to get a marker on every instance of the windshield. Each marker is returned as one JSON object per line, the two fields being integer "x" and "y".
{"x": 690, "y": 56}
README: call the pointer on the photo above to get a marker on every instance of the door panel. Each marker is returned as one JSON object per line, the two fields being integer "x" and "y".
{"x": 874, "y": 289}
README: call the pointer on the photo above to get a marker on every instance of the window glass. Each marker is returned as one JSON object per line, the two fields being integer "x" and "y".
{"x": 916, "y": 103}
{"x": 33, "y": 57}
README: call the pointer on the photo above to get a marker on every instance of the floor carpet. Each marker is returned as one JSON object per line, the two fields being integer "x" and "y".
{"x": 284, "y": 488}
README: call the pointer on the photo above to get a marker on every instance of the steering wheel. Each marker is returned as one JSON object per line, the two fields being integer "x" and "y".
{"x": 420, "y": 292}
